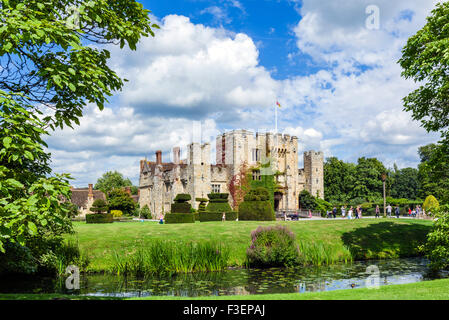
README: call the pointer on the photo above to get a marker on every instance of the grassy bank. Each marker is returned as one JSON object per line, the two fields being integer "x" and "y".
{"x": 327, "y": 241}
{"x": 427, "y": 290}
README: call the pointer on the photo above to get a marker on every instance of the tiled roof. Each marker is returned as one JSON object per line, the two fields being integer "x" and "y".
{"x": 80, "y": 196}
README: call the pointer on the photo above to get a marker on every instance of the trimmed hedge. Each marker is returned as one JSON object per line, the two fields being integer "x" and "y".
{"x": 99, "y": 218}
{"x": 181, "y": 207}
{"x": 217, "y": 216}
{"x": 218, "y": 203}
{"x": 171, "y": 218}
{"x": 182, "y": 197}
{"x": 256, "y": 211}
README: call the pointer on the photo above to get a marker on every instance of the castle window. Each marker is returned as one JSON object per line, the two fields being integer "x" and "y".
{"x": 215, "y": 188}
{"x": 256, "y": 154}
{"x": 256, "y": 175}
{"x": 316, "y": 180}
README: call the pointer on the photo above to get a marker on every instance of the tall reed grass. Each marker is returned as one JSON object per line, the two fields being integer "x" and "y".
{"x": 319, "y": 253}
{"x": 161, "y": 257}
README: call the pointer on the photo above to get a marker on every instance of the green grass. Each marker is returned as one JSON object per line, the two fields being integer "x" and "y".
{"x": 426, "y": 290}
{"x": 321, "y": 241}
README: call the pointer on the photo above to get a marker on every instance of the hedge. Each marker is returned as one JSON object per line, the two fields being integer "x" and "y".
{"x": 217, "y": 216}
{"x": 256, "y": 211}
{"x": 182, "y": 197}
{"x": 99, "y": 218}
{"x": 182, "y": 207}
{"x": 218, "y": 203}
{"x": 179, "y": 218}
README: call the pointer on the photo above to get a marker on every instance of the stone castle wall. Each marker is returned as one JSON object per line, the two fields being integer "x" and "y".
{"x": 161, "y": 182}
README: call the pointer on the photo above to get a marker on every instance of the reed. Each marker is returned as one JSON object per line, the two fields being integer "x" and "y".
{"x": 160, "y": 257}
{"x": 318, "y": 253}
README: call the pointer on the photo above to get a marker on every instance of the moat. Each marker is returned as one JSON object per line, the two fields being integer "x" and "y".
{"x": 236, "y": 282}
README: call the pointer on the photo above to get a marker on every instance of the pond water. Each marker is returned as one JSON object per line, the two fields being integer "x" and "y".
{"x": 236, "y": 282}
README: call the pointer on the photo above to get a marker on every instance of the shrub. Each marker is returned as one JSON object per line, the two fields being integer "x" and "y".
{"x": 217, "y": 216}
{"x": 202, "y": 205}
{"x": 218, "y": 202}
{"x": 181, "y": 207}
{"x": 17, "y": 259}
{"x": 182, "y": 197}
{"x": 99, "y": 206}
{"x": 145, "y": 212}
{"x": 323, "y": 206}
{"x": 431, "y": 204}
{"x": 437, "y": 246}
{"x": 99, "y": 218}
{"x": 273, "y": 247}
{"x": 306, "y": 200}
{"x": 116, "y": 213}
{"x": 119, "y": 199}
{"x": 179, "y": 218}
{"x": 256, "y": 211}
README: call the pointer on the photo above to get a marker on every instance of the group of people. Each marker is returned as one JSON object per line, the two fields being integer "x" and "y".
{"x": 413, "y": 213}
{"x": 356, "y": 213}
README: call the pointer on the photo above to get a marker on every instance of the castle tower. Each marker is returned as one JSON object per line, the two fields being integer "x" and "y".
{"x": 314, "y": 173}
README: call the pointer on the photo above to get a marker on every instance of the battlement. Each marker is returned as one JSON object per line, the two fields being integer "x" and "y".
{"x": 242, "y": 132}
{"x": 314, "y": 154}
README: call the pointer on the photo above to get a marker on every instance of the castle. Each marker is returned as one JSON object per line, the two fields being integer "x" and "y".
{"x": 160, "y": 181}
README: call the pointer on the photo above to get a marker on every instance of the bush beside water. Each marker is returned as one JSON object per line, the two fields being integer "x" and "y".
{"x": 273, "y": 247}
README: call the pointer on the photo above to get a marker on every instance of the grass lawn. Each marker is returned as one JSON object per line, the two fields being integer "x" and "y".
{"x": 427, "y": 290}
{"x": 361, "y": 239}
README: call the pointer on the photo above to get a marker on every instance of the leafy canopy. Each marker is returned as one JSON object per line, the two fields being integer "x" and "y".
{"x": 425, "y": 59}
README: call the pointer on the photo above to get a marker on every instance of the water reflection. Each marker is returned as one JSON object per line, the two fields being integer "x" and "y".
{"x": 233, "y": 282}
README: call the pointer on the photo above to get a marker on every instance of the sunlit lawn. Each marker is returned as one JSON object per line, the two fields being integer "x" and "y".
{"x": 365, "y": 238}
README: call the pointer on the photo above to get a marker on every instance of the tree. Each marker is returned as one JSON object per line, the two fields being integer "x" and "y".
{"x": 339, "y": 179}
{"x": 306, "y": 201}
{"x": 112, "y": 180}
{"x": 368, "y": 182}
{"x": 119, "y": 199}
{"x": 433, "y": 172}
{"x": 239, "y": 185}
{"x": 99, "y": 206}
{"x": 425, "y": 59}
{"x": 49, "y": 70}
{"x": 406, "y": 183}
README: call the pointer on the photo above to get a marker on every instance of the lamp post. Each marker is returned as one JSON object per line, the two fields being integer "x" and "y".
{"x": 384, "y": 178}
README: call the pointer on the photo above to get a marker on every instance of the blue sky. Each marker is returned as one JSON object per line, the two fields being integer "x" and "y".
{"x": 222, "y": 65}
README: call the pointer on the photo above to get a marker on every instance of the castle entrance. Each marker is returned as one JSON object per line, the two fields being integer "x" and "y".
{"x": 277, "y": 200}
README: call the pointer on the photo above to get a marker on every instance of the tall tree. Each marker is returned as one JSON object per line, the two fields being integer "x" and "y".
{"x": 112, "y": 180}
{"x": 406, "y": 183}
{"x": 52, "y": 63}
{"x": 339, "y": 179}
{"x": 425, "y": 59}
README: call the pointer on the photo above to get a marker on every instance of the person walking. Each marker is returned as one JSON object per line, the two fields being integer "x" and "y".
{"x": 409, "y": 212}
{"x": 357, "y": 212}
{"x": 389, "y": 210}
{"x": 360, "y": 212}
{"x": 343, "y": 211}
{"x": 350, "y": 213}
{"x": 377, "y": 211}
{"x": 397, "y": 212}
{"x": 334, "y": 212}
{"x": 223, "y": 218}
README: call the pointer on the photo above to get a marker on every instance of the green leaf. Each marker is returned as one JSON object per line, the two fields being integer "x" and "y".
{"x": 29, "y": 155}
{"x": 32, "y": 229}
{"x": 7, "y": 142}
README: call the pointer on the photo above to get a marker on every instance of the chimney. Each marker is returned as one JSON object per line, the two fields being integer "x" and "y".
{"x": 176, "y": 155}
{"x": 141, "y": 165}
{"x": 128, "y": 190}
{"x": 91, "y": 191}
{"x": 159, "y": 157}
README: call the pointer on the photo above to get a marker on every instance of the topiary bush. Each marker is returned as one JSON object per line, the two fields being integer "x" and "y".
{"x": 99, "y": 218}
{"x": 182, "y": 197}
{"x": 171, "y": 218}
{"x": 202, "y": 205}
{"x": 257, "y": 206}
{"x": 217, "y": 216}
{"x": 99, "y": 206}
{"x": 273, "y": 247}
{"x": 218, "y": 202}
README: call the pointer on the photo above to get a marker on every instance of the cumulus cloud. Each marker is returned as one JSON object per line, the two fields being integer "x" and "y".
{"x": 191, "y": 82}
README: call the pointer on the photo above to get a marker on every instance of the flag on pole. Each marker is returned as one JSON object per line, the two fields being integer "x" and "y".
{"x": 278, "y": 104}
